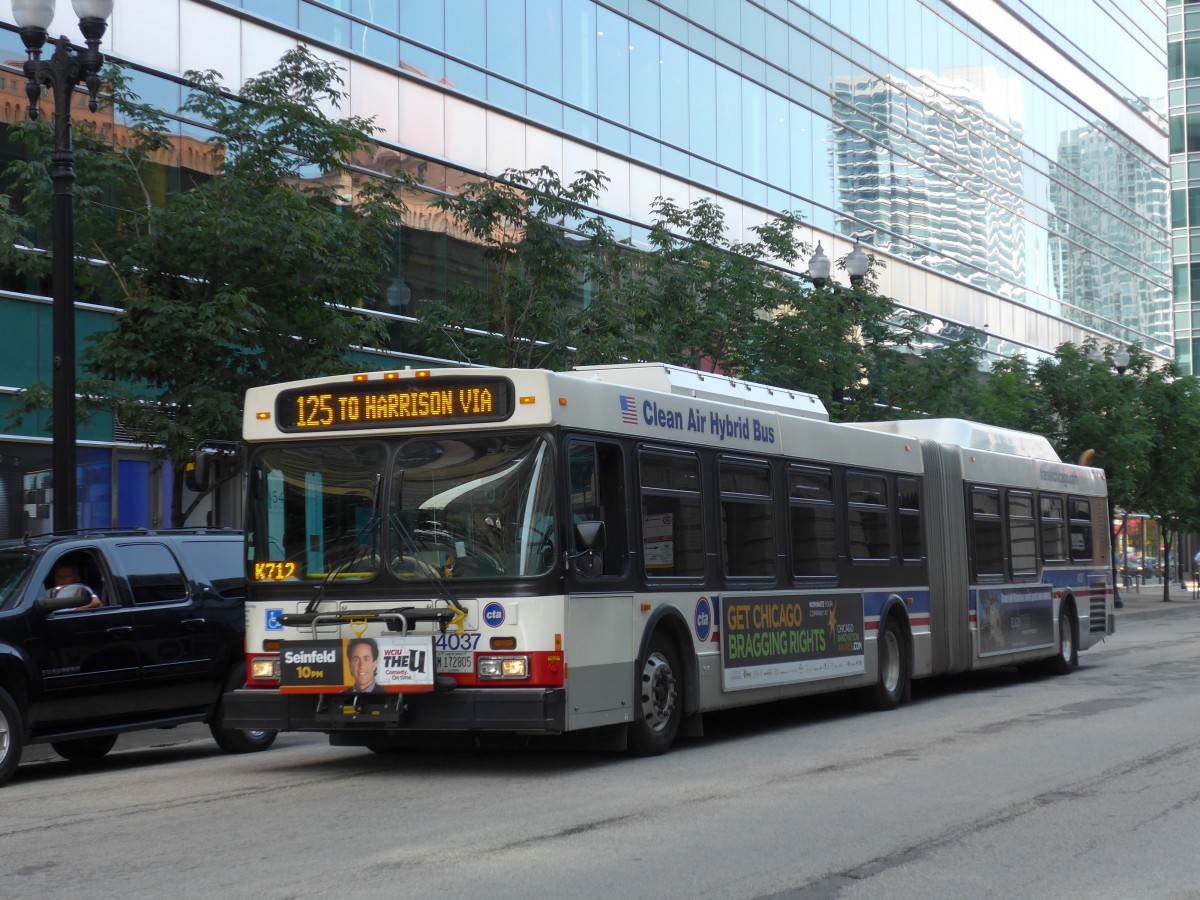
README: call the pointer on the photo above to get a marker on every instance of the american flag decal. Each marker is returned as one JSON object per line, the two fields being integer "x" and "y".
{"x": 628, "y": 410}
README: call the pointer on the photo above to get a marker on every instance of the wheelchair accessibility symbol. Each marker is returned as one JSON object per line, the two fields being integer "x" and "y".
{"x": 273, "y": 623}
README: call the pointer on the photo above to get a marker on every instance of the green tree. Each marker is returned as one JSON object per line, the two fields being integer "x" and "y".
{"x": 248, "y": 277}
{"x": 1166, "y": 486}
{"x": 545, "y": 300}
{"x": 706, "y": 300}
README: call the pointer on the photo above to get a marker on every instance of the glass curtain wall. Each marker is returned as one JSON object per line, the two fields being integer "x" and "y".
{"x": 1183, "y": 68}
{"x": 900, "y": 122}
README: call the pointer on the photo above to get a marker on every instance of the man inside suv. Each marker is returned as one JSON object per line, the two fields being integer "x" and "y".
{"x": 66, "y": 572}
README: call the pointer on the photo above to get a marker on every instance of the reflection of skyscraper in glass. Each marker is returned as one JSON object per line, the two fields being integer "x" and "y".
{"x": 935, "y": 172}
{"x": 1088, "y": 167}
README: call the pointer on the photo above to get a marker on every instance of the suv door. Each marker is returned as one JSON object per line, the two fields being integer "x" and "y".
{"x": 178, "y": 651}
{"x": 87, "y": 659}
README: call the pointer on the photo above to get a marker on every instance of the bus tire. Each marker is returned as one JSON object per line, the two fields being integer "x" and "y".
{"x": 12, "y": 736}
{"x": 84, "y": 749}
{"x": 658, "y": 706}
{"x": 892, "y": 654}
{"x": 1067, "y": 656}
{"x": 236, "y": 740}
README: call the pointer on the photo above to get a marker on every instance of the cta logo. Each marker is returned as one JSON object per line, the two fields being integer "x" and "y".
{"x": 704, "y": 619}
{"x": 493, "y": 614}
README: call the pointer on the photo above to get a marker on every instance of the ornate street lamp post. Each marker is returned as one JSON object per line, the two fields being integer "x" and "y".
{"x": 65, "y": 69}
{"x": 1120, "y": 362}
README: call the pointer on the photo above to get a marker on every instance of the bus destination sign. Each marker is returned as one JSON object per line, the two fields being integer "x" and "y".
{"x": 364, "y": 405}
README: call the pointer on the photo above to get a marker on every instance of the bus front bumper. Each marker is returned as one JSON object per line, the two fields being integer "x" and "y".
{"x": 524, "y": 710}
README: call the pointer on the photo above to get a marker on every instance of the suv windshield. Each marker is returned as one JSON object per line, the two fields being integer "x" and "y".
{"x": 456, "y": 507}
{"x": 14, "y": 566}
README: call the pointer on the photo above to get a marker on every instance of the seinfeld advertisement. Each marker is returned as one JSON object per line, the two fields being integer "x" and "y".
{"x": 361, "y": 665}
{"x": 788, "y": 639}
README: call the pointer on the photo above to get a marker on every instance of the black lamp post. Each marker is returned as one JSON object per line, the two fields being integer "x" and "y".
{"x": 856, "y": 264}
{"x": 61, "y": 73}
{"x": 1120, "y": 362}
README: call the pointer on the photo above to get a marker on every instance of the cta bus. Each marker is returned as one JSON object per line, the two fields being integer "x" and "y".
{"x": 621, "y": 549}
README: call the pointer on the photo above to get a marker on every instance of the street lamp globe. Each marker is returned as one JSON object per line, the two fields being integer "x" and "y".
{"x": 1121, "y": 361}
{"x": 91, "y": 9}
{"x": 36, "y": 14}
{"x": 819, "y": 266}
{"x": 857, "y": 264}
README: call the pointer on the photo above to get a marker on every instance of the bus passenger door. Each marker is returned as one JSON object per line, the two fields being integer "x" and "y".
{"x": 601, "y": 647}
{"x": 600, "y": 654}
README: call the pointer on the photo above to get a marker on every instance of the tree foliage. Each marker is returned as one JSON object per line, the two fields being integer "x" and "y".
{"x": 548, "y": 261}
{"x": 250, "y": 276}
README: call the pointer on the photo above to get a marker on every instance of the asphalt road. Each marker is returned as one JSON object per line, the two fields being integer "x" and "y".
{"x": 994, "y": 785}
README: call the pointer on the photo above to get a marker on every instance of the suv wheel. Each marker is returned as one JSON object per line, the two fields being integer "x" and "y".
{"x": 82, "y": 749}
{"x": 12, "y": 736}
{"x": 235, "y": 740}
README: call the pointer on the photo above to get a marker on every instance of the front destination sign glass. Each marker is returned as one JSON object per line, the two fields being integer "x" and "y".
{"x": 363, "y": 405}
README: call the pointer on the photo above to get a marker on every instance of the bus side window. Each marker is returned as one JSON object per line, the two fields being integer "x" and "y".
{"x": 672, "y": 520}
{"x": 1080, "y": 511}
{"x": 987, "y": 533}
{"x": 747, "y": 518}
{"x": 868, "y": 517}
{"x": 813, "y": 520}
{"x": 597, "y": 487}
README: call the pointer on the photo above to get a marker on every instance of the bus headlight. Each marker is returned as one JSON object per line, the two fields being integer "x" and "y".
{"x": 264, "y": 668}
{"x": 503, "y": 667}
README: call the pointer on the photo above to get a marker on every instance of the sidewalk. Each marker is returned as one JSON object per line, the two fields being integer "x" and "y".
{"x": 1150, "y": 596}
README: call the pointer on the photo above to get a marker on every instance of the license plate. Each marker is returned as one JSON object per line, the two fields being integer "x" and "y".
{"x": 456, "y": 663}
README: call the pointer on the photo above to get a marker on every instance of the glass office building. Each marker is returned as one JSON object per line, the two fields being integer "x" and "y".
{"x": 1183, "y": 65}
{"x": 1007, "y": 159}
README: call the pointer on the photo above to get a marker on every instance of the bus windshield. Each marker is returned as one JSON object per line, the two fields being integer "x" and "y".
{"x": 473, "y": 507}
{"x": 423, "y": 508}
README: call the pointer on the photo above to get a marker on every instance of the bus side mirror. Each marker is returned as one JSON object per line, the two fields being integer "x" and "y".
{"x": 200, "y": 472}
{"x": 589, "y": 542}
{"x": 589, "y": 536}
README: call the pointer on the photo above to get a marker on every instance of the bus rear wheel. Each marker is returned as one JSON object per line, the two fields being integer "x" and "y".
{"x": 892, "y": 654}
{"x": 1068, "y": 644}
{"x": 658, "y": 707}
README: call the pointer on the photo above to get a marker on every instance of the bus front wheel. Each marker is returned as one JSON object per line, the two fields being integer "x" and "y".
{"x": 891, "y": 652}
{"x": 658, "y": 707}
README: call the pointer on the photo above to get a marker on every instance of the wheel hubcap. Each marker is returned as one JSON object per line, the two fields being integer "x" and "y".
{"x": 5, "y": 738}
{"x": 890, "y": 666}
{"x": 658, "y": 692}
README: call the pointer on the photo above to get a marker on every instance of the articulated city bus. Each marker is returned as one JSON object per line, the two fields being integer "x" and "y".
{"x": 623, "y": 548}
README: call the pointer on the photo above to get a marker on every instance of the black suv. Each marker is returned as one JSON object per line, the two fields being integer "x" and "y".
{"x": 112, "y": 631}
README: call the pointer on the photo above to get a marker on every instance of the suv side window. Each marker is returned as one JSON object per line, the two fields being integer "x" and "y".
{"x": 221, "y": 563}
{"x": 86, "y": 569}
{"x": 153, "y": 572}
